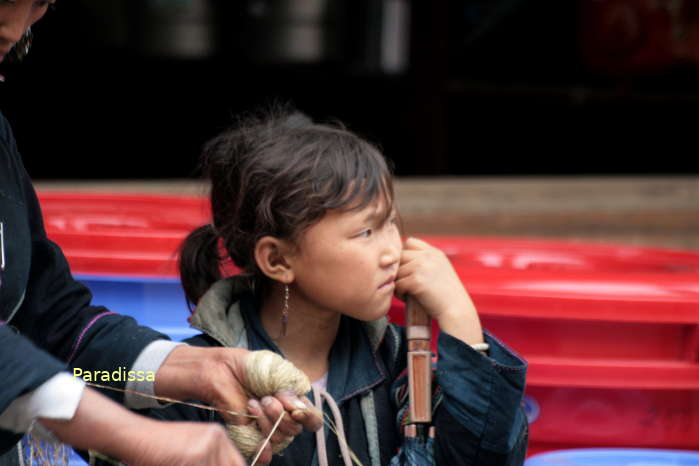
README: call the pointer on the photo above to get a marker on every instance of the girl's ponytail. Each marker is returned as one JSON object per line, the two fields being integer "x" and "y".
{"x": 199, "y": 262}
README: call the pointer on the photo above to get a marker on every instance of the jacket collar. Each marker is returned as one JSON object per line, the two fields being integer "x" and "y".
{"x": 224, "y": 310}
{"x": 218, "y": 313}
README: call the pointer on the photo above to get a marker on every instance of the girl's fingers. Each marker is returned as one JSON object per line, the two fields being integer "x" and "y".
{"x": 428, "y": 256}
{"x": 416, "y": 244}
{"x": 409, "y": 277}
{"x": 405, "y": 270}
{"x": 408, "y": 256}
{"x": 399, "y": 290}
{"x": 413, "y": 247}
{"x": 404, "y": 286}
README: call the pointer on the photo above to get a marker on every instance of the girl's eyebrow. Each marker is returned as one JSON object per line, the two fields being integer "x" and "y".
{"x": 379, "y": 214}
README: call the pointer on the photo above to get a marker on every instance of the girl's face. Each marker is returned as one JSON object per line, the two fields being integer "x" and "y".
{"x": 16, "y": 16}
{"x": 347, "y": 262}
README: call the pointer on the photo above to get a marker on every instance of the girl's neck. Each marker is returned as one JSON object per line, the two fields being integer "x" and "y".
{"x": 310, "y": 332}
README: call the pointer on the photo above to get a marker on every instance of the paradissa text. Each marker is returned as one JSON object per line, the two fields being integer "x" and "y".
{"x": 118, "y": 375}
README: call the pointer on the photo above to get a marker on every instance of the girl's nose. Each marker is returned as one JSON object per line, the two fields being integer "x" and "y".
{"x": 392, "y": 250}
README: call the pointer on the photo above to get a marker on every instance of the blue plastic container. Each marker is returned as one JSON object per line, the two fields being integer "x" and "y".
{"x": 158, "y": 303}
{"x": 75, "y": 460}
{"x": 615, "y": 457}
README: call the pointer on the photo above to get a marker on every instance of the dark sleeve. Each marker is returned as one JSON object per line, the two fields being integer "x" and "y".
{"x": 27, "y": 367}
{"x": 476, "y": 403}
{"x": 480, "y": 420}
{"x": 180, "y": 412}
{"x": 24, "y": 364}
{"x": 56, "y": 314}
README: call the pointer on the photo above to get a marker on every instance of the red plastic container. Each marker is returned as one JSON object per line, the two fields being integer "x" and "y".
{"x": 121, "y": 234}
{"x": 611, "y": 332}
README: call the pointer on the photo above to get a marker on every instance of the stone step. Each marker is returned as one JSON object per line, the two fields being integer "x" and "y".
{"x": 657, "y": 211}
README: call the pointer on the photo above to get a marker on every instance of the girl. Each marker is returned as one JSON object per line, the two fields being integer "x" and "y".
{"x": 307, "y": 212}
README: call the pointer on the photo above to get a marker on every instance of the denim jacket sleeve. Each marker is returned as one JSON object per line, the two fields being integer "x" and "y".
{"x": 481, "y": 395}
{"x": 476, "y": 404}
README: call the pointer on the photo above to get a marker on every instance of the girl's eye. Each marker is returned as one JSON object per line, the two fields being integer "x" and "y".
{"x": 366, "y": 233}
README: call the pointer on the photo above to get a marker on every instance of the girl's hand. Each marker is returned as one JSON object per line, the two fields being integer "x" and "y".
{"x": 426, "y": 273}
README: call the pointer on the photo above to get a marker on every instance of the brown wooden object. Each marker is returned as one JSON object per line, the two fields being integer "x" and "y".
{"x": 419, "y": 332}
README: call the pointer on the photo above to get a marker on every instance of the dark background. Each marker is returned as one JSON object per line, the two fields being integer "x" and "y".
{"x": 491, "y": 87}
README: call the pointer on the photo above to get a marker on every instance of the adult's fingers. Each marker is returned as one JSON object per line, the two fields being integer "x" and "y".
{"x": 213, "y": 375}
{"x": 302, "y": 411}
{"x": 272, "y": 410}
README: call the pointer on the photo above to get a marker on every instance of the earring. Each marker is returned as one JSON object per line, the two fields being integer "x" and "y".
{"x": 285, "y": 310}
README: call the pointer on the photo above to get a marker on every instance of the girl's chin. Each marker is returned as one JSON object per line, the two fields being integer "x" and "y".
{"x": 371, "y": 316}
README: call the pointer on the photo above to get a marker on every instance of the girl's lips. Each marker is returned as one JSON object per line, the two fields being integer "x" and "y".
{"x": 387, "y": 288}
{"x": 389, "y": 282}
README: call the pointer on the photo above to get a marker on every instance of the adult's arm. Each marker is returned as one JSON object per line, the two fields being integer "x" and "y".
{"x": 41, "y": 300}
{"x": 101, "y": 425}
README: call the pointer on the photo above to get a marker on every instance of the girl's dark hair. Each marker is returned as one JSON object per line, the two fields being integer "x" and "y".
{"x": 276, "y": 173}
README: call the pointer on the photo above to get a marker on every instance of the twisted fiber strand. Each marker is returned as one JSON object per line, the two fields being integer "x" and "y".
{"x": 267, "y": 373}
{"x": 170, "y": 400}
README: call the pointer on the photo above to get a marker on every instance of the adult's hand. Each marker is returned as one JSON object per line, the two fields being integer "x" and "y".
{"x": 216, "y": 376}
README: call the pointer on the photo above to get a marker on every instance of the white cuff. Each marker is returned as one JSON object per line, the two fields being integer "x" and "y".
{"x": 149, "y": 361}
{"x": 57, "y": 398}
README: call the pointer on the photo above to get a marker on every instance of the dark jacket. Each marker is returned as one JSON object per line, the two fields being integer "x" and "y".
{"x": 46, "y": 320}
{"x": 478, "y": 417}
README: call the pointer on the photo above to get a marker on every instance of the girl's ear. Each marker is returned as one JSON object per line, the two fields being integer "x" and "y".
{"x": 270, "y": 255}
